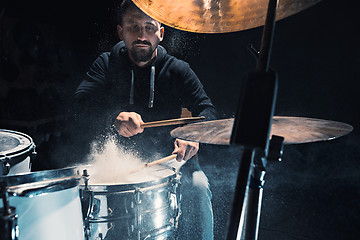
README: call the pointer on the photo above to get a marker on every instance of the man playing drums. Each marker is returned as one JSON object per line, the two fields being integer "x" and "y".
{"x": 138, "y": 81}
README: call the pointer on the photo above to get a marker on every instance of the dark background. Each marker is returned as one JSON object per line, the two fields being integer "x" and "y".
{"x": 312, "y": 194}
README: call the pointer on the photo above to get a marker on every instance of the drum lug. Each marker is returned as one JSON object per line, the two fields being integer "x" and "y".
{"x": 87, "y": 203}
{"x": 86, "y": 178}
{"x": 96, "y": 207}
{"x": 175, "y": 196}
{"x": 5, "y": 165}
{"x": 33, "y": 155}
{"x": 137, "y": 196}
{"x": 175, "y": 183}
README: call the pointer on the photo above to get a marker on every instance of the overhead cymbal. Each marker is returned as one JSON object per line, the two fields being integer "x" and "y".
{"x": 294, "y": 129}
{"x": 217, "y": 16}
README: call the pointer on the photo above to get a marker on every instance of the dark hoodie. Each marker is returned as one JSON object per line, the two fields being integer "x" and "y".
{"x": 114, "y": 84}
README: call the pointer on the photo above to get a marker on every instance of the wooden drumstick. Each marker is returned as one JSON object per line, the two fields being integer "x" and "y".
{"x": 157, "y": 162}
{"x": 172, "y": 122}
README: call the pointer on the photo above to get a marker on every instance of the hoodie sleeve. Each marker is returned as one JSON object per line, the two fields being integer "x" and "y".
{"x": 93, "y": 101}
{"x": 195, "y": 97}
{"x": 94, "y": 81}
{"x": 90, "y": 98}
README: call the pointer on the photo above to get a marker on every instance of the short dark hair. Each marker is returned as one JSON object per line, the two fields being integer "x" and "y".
{"x": 124, "y": 6}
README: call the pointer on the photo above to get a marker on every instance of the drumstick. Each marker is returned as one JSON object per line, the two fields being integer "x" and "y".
{"x": 162, "y": 160}
{"x": 171, "y": 122}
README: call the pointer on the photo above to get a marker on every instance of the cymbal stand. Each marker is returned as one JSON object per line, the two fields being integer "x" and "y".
{"x": 252, "y": 127}
{"x": 250, "y": 217}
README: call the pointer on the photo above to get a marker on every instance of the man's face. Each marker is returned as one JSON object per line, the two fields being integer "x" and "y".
{"x": 141, "y": 35}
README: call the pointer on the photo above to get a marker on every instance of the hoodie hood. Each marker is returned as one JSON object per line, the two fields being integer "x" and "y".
{"x": 121, "y": 50}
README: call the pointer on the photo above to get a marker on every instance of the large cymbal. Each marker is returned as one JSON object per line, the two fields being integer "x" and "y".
{"x": 217, "y": 16}
{"x": 294, "y": 129}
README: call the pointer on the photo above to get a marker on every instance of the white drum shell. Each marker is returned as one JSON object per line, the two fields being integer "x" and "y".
{"x": 47, "y": 204}
{"x": 21, "y": 167}
{"x": 55, "y": 216}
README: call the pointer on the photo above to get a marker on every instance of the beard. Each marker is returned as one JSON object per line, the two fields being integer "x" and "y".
{"x": 142, "y": 55}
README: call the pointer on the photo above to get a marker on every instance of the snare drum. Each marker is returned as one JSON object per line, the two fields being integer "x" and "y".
{"x": 47, "y": 204}
{"x": 16, "y": 151}
{"x": 142, "y": 209}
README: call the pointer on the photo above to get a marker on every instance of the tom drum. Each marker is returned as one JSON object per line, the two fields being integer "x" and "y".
{"x": 16, "y": 151}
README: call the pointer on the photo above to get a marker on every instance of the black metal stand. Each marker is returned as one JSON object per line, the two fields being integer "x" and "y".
{"x": 8, "y": 219}
{"x": 252, "y": 127}
{"x": 253, "y": 199}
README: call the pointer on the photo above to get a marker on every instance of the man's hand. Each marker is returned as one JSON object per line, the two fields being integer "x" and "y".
{"x": 128, "y": 124}
{"x": 185, "y": 149}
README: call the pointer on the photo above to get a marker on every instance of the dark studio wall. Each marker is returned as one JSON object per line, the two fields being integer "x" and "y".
{"x": 47, "y": 46}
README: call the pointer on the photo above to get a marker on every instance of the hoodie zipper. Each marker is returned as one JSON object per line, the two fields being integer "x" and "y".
{"x": 152, "y": 88}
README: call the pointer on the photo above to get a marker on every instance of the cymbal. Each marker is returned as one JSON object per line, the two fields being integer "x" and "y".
{"x": 295, "y": 130}
{"x": 217, "y": 16}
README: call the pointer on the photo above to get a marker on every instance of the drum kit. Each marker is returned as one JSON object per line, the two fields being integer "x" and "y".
{"x": 69, "y": 204}
{"x": 66, "y": 204}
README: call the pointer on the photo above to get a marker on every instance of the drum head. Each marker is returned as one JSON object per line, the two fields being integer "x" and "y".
{"x": 146, "y": 177}
{"x": 12, "y": 142}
